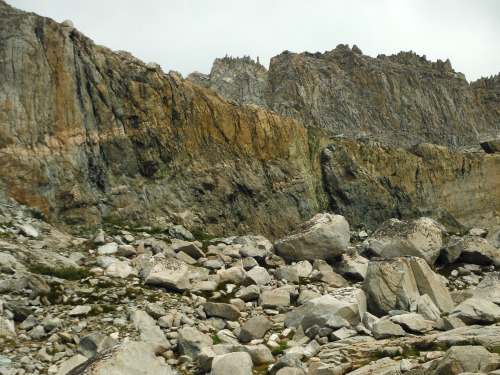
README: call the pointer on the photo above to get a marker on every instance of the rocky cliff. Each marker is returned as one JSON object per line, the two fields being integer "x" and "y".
{"x": 399, "y": 100}
{"x": 87, "y": 133}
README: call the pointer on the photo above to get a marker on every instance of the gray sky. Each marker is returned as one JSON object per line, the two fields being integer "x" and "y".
{"x": 187, "y": 35}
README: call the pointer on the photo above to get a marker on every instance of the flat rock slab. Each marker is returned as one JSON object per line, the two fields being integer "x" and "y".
{"x": 222, "y": 310}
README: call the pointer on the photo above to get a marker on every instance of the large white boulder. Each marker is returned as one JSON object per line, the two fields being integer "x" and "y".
{"x": 422, "y": 237}
{"x": 170, "y": 273}
{"x": 239, "y": 363}
{"x": 477, "y": 311}
{"x": 398, "y": 283}
{"x": 325, "y": 236}
{"x": 489, "y": 288}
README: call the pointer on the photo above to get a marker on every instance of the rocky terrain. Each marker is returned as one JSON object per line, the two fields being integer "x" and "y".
{"x": 400, "y": 100}
{"x": 151, "y": 225}
{"x": 88, "y": 133}
{"x": 326, "y": 299}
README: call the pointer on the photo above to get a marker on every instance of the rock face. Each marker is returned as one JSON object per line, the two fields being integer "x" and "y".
{"x": 401, "y": 99}
{"x": 95, "y": 133}
{"x": 422, "y": 238}
{"x": 325, "y": 236}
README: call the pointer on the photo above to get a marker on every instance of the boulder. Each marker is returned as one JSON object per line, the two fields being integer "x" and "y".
{"x": 325, "y": 236}
{"x": 303, "y": 268}
{"x": 413, "y": 322}
{"x": 258, "y": 276}
{"x": 190, "y": 341}
{"x": 7, "y": 327}
{"x": 462, "y": 359}
{"x": 427, "y": 308}
{"x": 390, "y": 285}
{"x": 274, "y": 299}
{"x": 249, "y": 293}
{"x": 477, "y": 311}
{"x": 94, "y": 343}
{"x": 352, "y": 265}
{"x": 452, "y": 249}
{"x": 70, "y": 364}
{"x": 330, "y": 277}
{"x": 489, "y": 288}
{"x": 260, "y": 354}
{"x": 170, "y": 273}
{"x": 121, "y": 270}
{"x": 187, "y": 247}
{"x": 287, "y": 273}
{"x": 239, "y": 363}
{"x": 348, "y": 303}
{"x": 222, "y": 310}
{"x": 422, "y": 238}
{"x": 477, "y": 250}
{"x": 254, "y": 328}
{"x": 397, "y": 284}
{"x": 384, "y": 328}
{"x": 131, "y": 358}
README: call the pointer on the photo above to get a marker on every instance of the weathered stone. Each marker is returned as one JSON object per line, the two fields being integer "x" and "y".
{"x": 348, "y": 303}
{"x": 287, "y": 273}
{"x": 205, "y": 358}
{"x": 325, "y": 236}
{"x": 427, "y": 308}
{"x": 477, "y": 311}
{"x": 353, "y": 265}
{"x": 94, "y": 343}
{"x": 191, "y": 341}
{"x": 170, "y": 273}
{"x": 491, "y": 146}
{"x": 222, "y": 310}
{"x": 70, "y": 364}
{"x": 121, "y": 270}
{"x": 274, "y": 299}
{"x": 80, "y": 310}
{"x": 394, "y": 238}
{"x": 390, "y": 285}
{"x": 19, "y": 310}
{"x": 382, "y": 329}
{"x": 130, "y": 358}
{"x": 249, "y": 293}
{"x": 155, "y": 310}
{"x": 258, "y": 276}
{"x": 412, "y": 322}
{"x": 303, "y": 268}
{"x": 462, "y": 359}
{"x": 254, "y": 328}
{"x": 489, "y": 288}
{"x": 108, "y": 249}
{"x": 187, "y": 247}
{"x": 7, "y": 327}
{"x": 477, "y": 250}
{"x": 239, "y": 363}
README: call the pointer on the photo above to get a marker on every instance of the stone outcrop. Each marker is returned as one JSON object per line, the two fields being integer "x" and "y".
{"x": 401, "y": 99}
{"x": 88, "y": 133}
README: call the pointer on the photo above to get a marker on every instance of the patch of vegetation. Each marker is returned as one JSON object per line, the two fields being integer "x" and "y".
{"x": 410, "y": 352}
{"x": 494, "y": 349}
{"x": 203, "y": 236}
{"x": 217, "y": 340}
{"x": 69, "y": 273}
{"x": 383, "y": 354}
{"x": 279, "y": 350}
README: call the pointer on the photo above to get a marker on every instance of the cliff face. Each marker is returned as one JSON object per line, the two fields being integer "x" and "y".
{"x": 87, "y": 133}
{"x": 399, "y": 100}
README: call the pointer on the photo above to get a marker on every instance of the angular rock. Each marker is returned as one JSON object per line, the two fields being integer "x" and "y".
{"x": 348, "y": 303}
{"x": 325, "y": 236}
{"x": 108, "y": 249}
{"x": 382, "y": 329}
{"x": 80, "y": 310}
{"x": 191, "y": 341}
{"x": 239, "y": 363}
{"x": 131, "y": 358}
{"x": 287, "y": 273}
{"x": 412, "y": 322}
{"x": 257, "y": 276}
{"x": 303, "y": 268}
{"x": 70, "y": 364}
{"x": 254, "y": 328}
{"x": 249, "y": 293}
{"x": 222, "y": 310}
{"x": 427, "y": 308}
{"x": 7, "y": 327}
{"x": 390, "y": 285}
{"x": 489, "y": 288}
{"x": 94, "y": 343}
{"x": 477, "y": 250}
{"x": 121, "y": 270}
{"x": 274, "y": 299}
{"x": 187, "y": 247}
{"x": 462, "y": 359}
{"x": 170, "y": 273}
{"x": 353, "y": 265}
{"x": 477, "y": 311}
{"x": 422, "y": 237}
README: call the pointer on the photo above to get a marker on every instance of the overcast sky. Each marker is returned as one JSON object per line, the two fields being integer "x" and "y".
{"x": 187, "y": 35}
